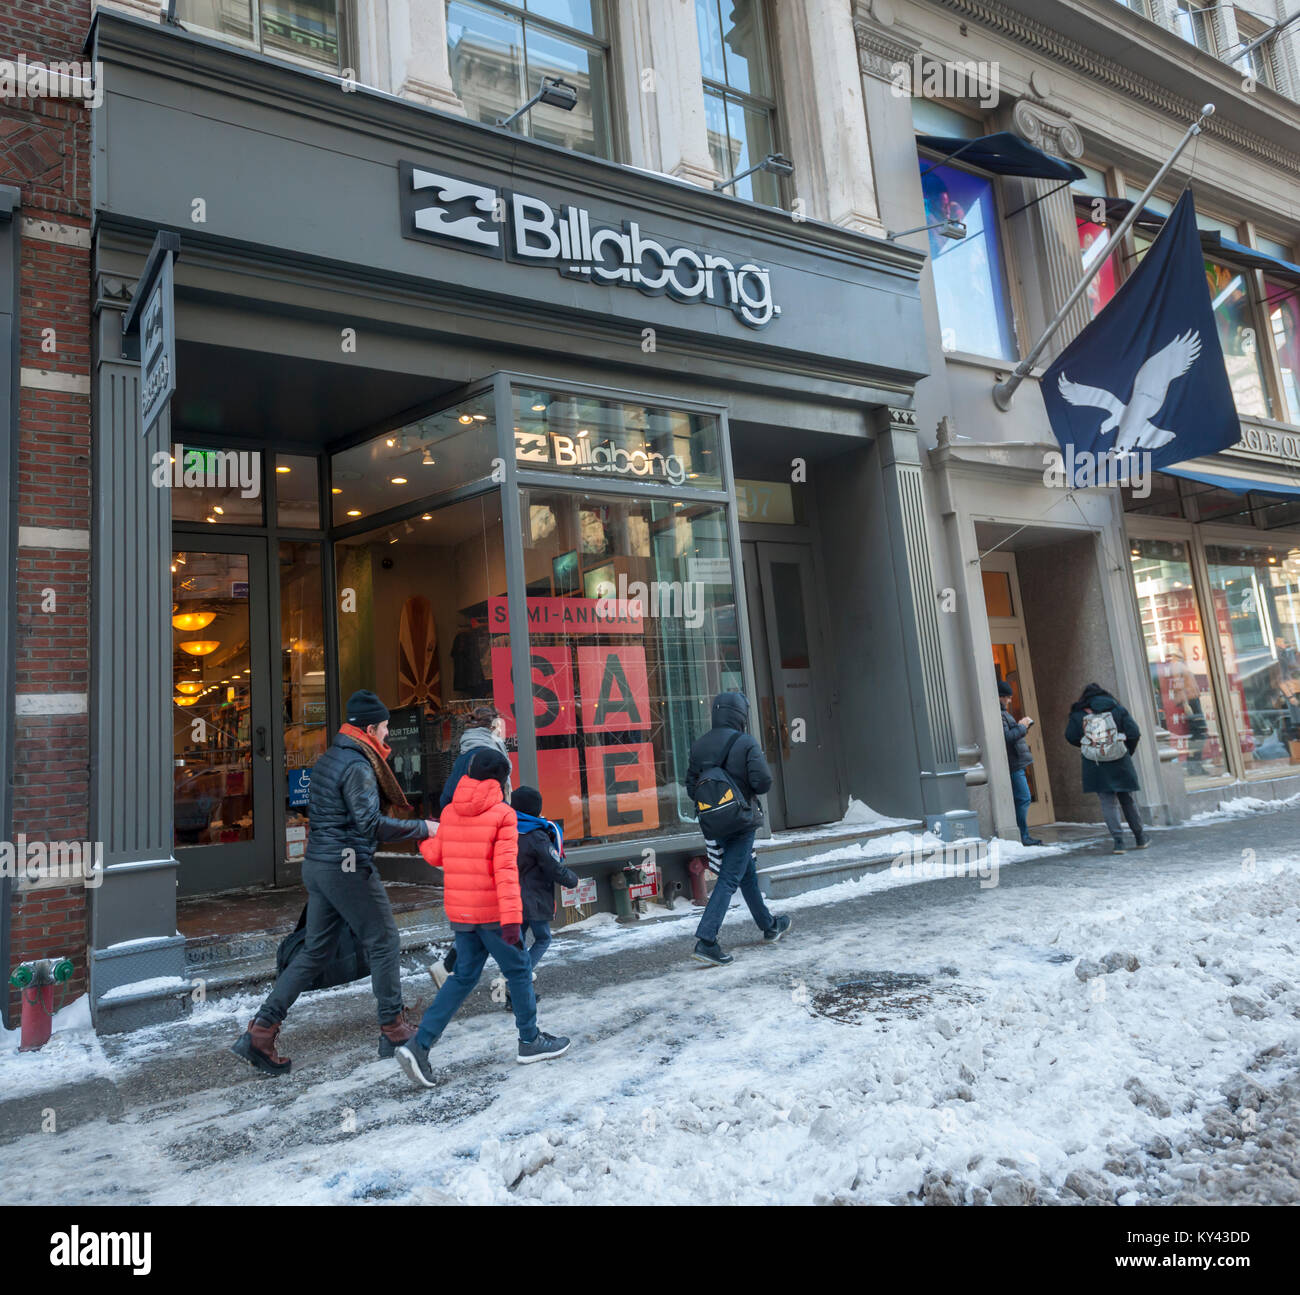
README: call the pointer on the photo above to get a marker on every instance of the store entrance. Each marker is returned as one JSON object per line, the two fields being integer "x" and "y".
{"x": 790, "y": 718}
{"x": 221, "y": 714}
{"x": 1010, "y": 647}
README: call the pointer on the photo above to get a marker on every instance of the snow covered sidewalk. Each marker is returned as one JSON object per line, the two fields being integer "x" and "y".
{"x": 1092, "y": 1028}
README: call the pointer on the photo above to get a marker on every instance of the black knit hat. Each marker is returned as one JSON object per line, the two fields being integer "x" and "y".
{"x": 1005, "y": 689}
{"x": 364, "y": 709}
{"x": 488, "y": 764}
{"x": 527, "y": 800}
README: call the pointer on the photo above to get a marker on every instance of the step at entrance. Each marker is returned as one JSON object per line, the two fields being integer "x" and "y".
{"x": 794, "y": 862}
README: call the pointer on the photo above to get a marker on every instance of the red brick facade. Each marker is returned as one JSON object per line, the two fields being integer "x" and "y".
{"x": 45, "y": 153}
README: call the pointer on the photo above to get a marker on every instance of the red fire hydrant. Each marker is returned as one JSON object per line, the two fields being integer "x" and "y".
{"x": 699, "y": 891}
{"x": 37, "y": 980}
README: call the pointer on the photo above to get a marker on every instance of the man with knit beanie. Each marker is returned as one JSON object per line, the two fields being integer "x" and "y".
{"x": 353, "y": 790}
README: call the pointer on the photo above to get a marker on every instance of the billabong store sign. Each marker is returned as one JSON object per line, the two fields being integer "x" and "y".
{"x": 518, "y": 227}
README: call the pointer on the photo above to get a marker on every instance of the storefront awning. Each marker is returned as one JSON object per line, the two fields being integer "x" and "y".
{"x": 1003, "y": 154}
{"x": 1248, "y": 258}
{"x": 1238, "y": 485}
{"x": 1116, "y": 209}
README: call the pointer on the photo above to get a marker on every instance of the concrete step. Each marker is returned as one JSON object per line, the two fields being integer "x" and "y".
{"x": 230, "y": 963}
{"x": 793, "y": 863}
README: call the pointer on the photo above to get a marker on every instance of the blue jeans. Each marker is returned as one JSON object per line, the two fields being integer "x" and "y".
{"x": 1021, "y": 795}
{"x": 737, "y": 869}
{"x": 472, "y": 949}
{"x": 541, "y": 941}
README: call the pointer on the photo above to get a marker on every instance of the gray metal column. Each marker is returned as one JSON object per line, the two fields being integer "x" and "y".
{"x": 944, "y": 800}
{"x": 131, "y": 722}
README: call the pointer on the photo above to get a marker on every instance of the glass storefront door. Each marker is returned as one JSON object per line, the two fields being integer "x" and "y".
{"x": 221, "y": 714}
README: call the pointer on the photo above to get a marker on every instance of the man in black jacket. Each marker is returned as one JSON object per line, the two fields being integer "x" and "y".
{"x": 346, "y": 823}
{"x": 734, "y": 855}
{"x": 1019, "y": 758}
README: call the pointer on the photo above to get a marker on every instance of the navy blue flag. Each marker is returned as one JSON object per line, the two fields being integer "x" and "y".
{"x": 1147, "y": 375}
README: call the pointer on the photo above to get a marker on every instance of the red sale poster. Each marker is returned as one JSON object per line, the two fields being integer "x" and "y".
{"x": 553, "y": 709}
{"x": 621, "y": 791}
{"x": 561, "y": 788}
{"x": 615, "y": 690}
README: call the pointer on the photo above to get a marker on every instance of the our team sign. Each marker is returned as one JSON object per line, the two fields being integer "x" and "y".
{"x": 449, "y": 209}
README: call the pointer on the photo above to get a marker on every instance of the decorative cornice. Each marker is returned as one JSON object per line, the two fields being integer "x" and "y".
{"x": 880, "y": 48}
{"x": 1043, "y": 39}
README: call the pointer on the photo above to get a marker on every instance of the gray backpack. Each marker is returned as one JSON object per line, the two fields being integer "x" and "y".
{"x": 1102, "y": 741}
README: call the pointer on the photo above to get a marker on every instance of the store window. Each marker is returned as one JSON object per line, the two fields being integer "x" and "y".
{"x": 1173, "y": 632}
{"x": 1093, "y": 238}
{"x": 632, "y": 631}
{"x": 446, "y": 449}
{"x": 415, "y": 600}
{"x": 1230, "y": 295}
{"x": 739, "y": 93}
{"x": 968, "y": 278}
{"x": 615, "y": 439}
{"x": 499, "y": 54}
{"x": 1282, "y": 301}
{"x": 1256, "y": 589}
{"x": 302, "y": 683}
{"x": 297, "y": 492}
{"x": 307, "y": 31}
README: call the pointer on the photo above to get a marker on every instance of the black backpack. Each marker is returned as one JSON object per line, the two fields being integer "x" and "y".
{"x": 347, "y": 963}
{"x": 720, "y": 806}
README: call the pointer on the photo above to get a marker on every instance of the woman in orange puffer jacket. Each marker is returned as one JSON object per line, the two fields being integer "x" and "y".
{"x": 476, "y": 847}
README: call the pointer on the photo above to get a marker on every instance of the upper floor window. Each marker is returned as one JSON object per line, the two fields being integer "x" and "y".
{"x": 739, "y": 93}
{"x": 500, "y": 52}
{"x": 1194, "y": 21}
{"x": 1258, "y": 63}
{"x": 306, "y": 31}
{"x": 968, "y": 279}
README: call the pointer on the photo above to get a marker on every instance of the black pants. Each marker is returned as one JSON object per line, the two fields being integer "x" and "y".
{"x": 1111, "y": 804}
{"x": 359, "y": 900}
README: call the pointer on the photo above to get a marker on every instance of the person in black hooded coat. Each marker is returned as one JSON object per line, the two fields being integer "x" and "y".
{"x": 733, "y": 855}
{"x": 1113, "y": 781}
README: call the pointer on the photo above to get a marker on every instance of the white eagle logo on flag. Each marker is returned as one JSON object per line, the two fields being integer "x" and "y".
{"x": 1136, "y": 430}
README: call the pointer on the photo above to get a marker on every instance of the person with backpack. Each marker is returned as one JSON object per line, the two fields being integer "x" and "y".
{"x": 352, "y": 785}
{"x": 725, "y": 776}
{"x": 477, "y": 848}
{"x": 1019, "y": 758}
{"x": 1107, "y": 735}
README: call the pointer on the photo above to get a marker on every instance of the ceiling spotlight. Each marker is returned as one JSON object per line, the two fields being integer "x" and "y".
{"x": 465, "y": 418}
{"x": 537, "y": 409}
{"x": 398, "y": 481}
{"x": 428, "y": 460}
{"x": 354, "y": 512}
{"x": 282, "y": 468}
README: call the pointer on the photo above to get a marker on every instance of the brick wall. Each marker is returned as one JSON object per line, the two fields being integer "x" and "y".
{"x": 45, "y": 152}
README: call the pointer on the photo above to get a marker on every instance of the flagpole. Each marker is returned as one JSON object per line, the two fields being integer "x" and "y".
{"x": 1004, "y": 391}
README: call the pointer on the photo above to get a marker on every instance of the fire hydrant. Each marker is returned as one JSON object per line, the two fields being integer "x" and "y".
{"x": 619, "y": 883}
{"x": 36, "y": 980}
{"x": 699, "y": 891}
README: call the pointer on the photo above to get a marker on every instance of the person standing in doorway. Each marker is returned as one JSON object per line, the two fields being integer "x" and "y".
{"x": 1107, "y": 735}
{"x": 1019, "y": 758}
{"x": 726, "y": 774}
{"x": 343, "y": 887}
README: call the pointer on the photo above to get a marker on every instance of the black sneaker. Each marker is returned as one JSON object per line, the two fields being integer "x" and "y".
{"x": 414, "y": 1061}
{"x": 778, "y": 929}
{"x": 1142, "y": 844}
{"x": 1030, "y": 840}
{"x": 1118, "y": 847}
{"x": 542, "y": 1048}
{"x": 711, "y": 954}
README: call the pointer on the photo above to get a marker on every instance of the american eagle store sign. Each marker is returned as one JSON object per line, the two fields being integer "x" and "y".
{"x": 501, "y": 223}
{"x": 591, "y": 713}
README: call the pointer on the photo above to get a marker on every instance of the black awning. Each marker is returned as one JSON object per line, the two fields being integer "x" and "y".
{"x": 1248, "y": 258}
{"x": 1003, "y": 154}
{"x": 1116, "y": 209}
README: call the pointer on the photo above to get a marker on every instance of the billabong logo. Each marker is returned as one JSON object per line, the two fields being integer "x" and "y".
{"x": 442, "y": 208}
{"x": 78, "y": 1249}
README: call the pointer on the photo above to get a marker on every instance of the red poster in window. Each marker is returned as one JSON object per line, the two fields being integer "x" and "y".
{"x": 615, "y": 690}
{"x": 553, "y": 708}
{"x": 621, "y": 792}
{"x": 561, "y": 788}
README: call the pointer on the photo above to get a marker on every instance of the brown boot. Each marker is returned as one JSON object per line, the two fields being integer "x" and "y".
{"x": 257, "y": 1046}
{"x": 398, "y": 1031}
